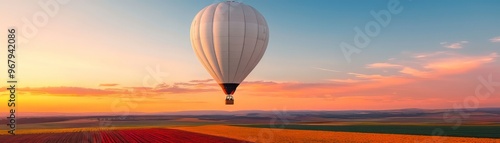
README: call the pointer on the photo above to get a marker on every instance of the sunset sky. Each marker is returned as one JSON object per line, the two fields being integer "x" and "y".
{"x": 98, "y": 56}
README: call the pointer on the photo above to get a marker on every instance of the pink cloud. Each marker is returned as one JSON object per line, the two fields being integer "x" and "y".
{"x": 316, "y": 90}
{"x": 433, "y": 54}
{"x": 435, "y": 64}
{"x": 345, "y": 80}
{"x": 323, "y": 69}
{"x": 416, "y": 79}
{"x": 383, "y": 65}
{"x": 456, "y": 45}
{"x": 459, "y": 64}
{"x": 446, "y": 64}
{"x": 495, "y": 39}
{"x": 367, "y": 76}
{"x": 413, "y": 72}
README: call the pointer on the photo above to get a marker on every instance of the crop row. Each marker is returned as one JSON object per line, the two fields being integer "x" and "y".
{"x": 154, "y": 135}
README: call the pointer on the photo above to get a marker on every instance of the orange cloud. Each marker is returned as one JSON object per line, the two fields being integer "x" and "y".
{"x": 315, "y": 90}
{"x": 367, "y": 76}
{"x": 108, "y": 84}
{"x": 461, "y": 62}
{"x": 69, "y": 91}
{"x": 417, "y": 69}
{"x": 204, "y": 80}
{"x": 344, "y": 80}
{"x": 178, "y": 89}
{"x": 437, "y": 65}
{"x": 410, "y": 77}
{"x": 194, "y": 86}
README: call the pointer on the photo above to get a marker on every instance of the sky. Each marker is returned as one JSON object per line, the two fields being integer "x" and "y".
{"x": 136, "y": 56}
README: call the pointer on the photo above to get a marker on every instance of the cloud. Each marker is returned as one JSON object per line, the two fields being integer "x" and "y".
{"x": 70, "y": 91}
{"x": 495, "y": 39}
{"x": 367, "y": 76}
{"x": 177, "y": 89}
{"x": 433, "y": 54}
{"x": 323, "y": 69}
{"x": 108, "y": 84}
{"x": 184, "y": 88}
{"x": 435, "y": 64}
{"x": 413, "y": 76}
{"x": 193, "y": 86}
{"x": 413, "y": 72}
{"x": 448, "y": 64}
{"x": 383, "y": 65}
{"x": 345, "y": 80}
{"x": 317, "y": 90}
{"x": 202, "y": 81}
{"x": 456, "y": 45}
{"x": 416, "y": 76}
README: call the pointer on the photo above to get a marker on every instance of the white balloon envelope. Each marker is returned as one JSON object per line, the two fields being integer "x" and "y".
{"x": 229, "y": 39}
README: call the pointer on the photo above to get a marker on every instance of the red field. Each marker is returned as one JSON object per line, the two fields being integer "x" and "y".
{"x": 118, "y": 136}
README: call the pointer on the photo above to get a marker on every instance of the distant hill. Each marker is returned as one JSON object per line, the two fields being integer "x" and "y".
{"x": 396, "y": 116}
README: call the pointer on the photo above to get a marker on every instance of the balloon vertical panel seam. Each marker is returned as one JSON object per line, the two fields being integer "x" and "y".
{"x": 243, "y": 44}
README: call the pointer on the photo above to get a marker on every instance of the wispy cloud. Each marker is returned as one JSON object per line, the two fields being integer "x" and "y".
{"x": 445, "y": 63}
{"x": 456, "y": 45}
{"x": 108, "y": 84}
{"x": 383, "y": 65}
{"x": 78, "y": 91}
{"x": 193, "y": 86}
{"x": 495, "y": 39}
{"x": 433, "y": 54}
{"x": 436, "y": 64}
{"x": 367, "y": 76}
{"x": 323, "y": 69}
{"x": 177, "y": 89}
{"x": 415, "y": 71}
{"x": 345, "y": 80}
{"x": 203, "y": 80}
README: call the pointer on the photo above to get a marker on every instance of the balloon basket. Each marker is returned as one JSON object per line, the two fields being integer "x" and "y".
{"x": 229, "y": 101}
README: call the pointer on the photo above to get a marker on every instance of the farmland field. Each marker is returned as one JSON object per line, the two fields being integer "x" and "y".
{"x": 118, "y": 136}
{"x": 220, "y": 133}
{"x": 462, "y": 131}
{"x": 288, "y": 135}
{"x": 253, "y": 126}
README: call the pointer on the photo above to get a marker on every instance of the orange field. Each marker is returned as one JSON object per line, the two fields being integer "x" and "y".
{"x": 286, "y": 136}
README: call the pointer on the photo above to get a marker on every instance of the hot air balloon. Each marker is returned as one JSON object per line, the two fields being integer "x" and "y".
{"x": 229, "y": 38}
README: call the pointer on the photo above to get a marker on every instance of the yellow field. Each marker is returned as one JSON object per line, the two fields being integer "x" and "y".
{"x": 263, "y": 135}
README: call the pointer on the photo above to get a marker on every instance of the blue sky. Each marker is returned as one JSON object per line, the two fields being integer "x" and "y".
{"x": 307, "y": 30}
